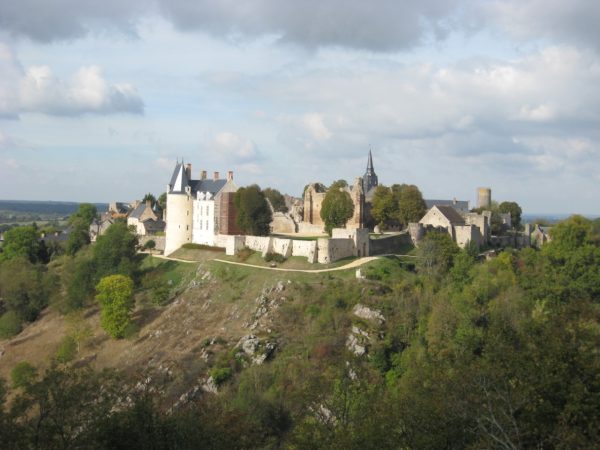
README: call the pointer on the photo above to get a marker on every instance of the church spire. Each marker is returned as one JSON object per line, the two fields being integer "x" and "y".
{"x": 370, "y": 163}
{"x": 370, "y": 178}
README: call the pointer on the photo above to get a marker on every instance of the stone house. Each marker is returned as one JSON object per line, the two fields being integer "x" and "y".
{"x": 141, "y": 216}
{"x": 463, "y": 229}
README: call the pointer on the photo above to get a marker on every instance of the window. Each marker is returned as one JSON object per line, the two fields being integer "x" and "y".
{"x": 207, "y": 210}
{"x": 187, "y": 227}
{"x": 207, "y": 224}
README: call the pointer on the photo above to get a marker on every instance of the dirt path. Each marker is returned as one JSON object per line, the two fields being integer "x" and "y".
{"x": 356, "y": 263}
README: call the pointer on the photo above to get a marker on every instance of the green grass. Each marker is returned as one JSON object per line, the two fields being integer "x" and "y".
{"x": 293, "y": 262}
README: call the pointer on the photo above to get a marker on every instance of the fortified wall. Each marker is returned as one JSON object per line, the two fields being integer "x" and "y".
{"x": 343, "y": 243}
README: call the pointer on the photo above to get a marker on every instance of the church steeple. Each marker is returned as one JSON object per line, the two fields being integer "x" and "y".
{"x": 370, "y": 178}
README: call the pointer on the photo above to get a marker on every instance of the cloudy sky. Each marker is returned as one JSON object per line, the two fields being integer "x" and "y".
{"x": 99, "y": 98}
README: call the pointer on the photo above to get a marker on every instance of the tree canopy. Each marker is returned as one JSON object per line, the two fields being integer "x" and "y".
{"x": 253, "y": 213}
{"x": 384, "y": 206}
{"x": 115, "y": 252}
{"x": 115, "y": 295}
{"x": 22, "y": 241}
{"x": 515, "y": 212}
{"x": 277, "y": 199}
{"x": 337, "y": 207}
{"x": 411, "y": 205}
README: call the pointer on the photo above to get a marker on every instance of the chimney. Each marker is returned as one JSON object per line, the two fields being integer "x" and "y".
{"x": 230, "y": 175}
{"x": 149, "y": 203}
{"x": 188, "y": 171}
{"x": 216, "y": 176}
{"x": 203, "y": 175}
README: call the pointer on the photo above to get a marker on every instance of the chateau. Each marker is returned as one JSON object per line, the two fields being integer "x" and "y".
{"x": 198, "y": 209}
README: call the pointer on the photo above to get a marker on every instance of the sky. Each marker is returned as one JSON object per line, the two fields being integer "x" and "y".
{"x": 98, "y": 100}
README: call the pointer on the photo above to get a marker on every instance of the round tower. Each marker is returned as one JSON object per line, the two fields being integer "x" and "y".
{"x": 484, "y": 197}
{"x": 179, "y": 221}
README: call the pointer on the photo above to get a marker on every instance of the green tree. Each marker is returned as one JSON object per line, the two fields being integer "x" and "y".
{"x": 86, "y": 213}
{"x": 253, "y": 213}
{"x": 151, "y": 197}
{"x": 115, "y": 252}
{"x": 384, "y": 205}
{"x": 162, "y": 201}
{"x": 515, "y": 212}
{"x": 21, "y": 241}
{"x": 277, "y": 199}
{"x": 80, "y": 222}
{"x": 115, "y": 295}
{"x": 435, "y": 253}
{"x": 337, "y": 207}
{"x": 22, "y": 289}
{"x": 411, "y": 205}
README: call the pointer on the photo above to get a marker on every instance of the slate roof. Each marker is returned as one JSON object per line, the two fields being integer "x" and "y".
{"x": 179, "y": 181}
{"x": 138, "y": 211}
{"x": 451, "y": 214}
{"x": 460, "y": 205}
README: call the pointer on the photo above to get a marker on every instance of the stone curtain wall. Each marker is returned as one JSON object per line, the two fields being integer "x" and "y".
{"x": 389, "y": 244}
{"x": 159, "y": 240}
{"x": 323, "y": 250}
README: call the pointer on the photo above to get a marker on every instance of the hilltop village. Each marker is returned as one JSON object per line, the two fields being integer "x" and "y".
{"x": 201, "y": 210}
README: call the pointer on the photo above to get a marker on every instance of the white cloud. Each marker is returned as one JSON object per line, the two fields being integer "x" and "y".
{"x": 36, "y": 89}
{"x": 234, "y": 148}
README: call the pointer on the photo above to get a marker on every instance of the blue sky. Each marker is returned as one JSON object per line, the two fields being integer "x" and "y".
{"x": 99, "y": 99}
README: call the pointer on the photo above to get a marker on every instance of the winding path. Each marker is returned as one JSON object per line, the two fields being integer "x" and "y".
{"x": 356, "y": 263}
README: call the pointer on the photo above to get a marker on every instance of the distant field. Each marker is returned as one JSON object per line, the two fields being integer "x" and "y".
{"x": 45, "y": 207}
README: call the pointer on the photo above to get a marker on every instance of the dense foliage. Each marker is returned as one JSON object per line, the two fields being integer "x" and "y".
{"x": 253, "y": 213}
{"x": 277, "y": 200}
{"x": 491, "y": 354}
{"x": 115, "y": 295}
{"x": 411, "y": 205}
{"x": 385, "y": 207}
{"x": 337, "y": 207}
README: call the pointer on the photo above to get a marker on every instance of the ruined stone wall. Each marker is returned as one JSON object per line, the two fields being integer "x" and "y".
{"x": 282, "y": 223}
{"x": 467, "y": 233}
{"x": 313, "y": 201}
{"x": 331, "y": 250}
{"x": 481, "y": 221}
{"x": 262, "y": 244}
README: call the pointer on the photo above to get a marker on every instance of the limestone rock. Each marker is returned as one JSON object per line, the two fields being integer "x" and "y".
{"x": 210, "y": 386}
{"x": 367, "y": 313}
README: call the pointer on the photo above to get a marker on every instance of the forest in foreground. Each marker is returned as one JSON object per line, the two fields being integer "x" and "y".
{"x": 448, "y": 352}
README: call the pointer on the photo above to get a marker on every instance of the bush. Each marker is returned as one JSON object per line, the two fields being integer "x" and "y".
{"x": 22, "y": 374}
{"x": 66, "y": 350}
{"x": 220, "y": 374}
{"x": 276, "y": 257}
{"x": 160, "y": 295}
{"x": 10, "y": 325}
{"x": 149, "y": 245}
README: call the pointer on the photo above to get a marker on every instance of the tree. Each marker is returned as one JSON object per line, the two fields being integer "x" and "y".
{"x": 162, "y": 201}
{"x": 80, "y": 222}
{"x": 411, "y": 205}
{"x": 115, "y": 295}
{"x": 151, "y": 197}
{"x": 115, "y": 252}
{"x": 436, "y": 252}
{"x": 277, "y": 200}
{"x": 384, "y": 205}
{"x": 22, "y": 241}
{"x": 86, "y": 212}
{"x": 22, "y": 289}
{"x": 253, "y": 213}
{"x": 337, "y": 206}
{"x": 515, "y": 212}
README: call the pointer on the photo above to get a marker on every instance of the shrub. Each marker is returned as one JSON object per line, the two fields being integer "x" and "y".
{"x": 160, "y": 295}
{"x": 66, "y": 350}
{"x": 22, "y": 374}
{"x": 220, "y": 374}
{"x": 276, "y": 257}
{"x": 149, "y": 245}
{"x": 10, "y": 325}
